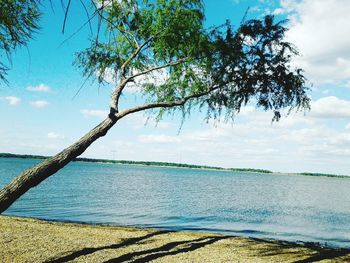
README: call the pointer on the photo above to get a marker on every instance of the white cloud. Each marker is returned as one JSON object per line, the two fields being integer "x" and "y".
{"x": 54, "y": 135}
{"x": 330, "y": 108}
{"x": 107, "y": 3}
{"x": 39, "y": 88}
{"x": 103, "y": 3}
{"x": 11, "y": 100}
{"x": 139, "y": 121}
{"x": 94, "y": 113}
{"x": 158, "y": 138}
{"x": 163, "y": 125}
{"x": 247, "y": 110}
{"x": 305, "y": 136}
{"x": 347, "y": 84}
{"x": 39, "y": 104}
{"x": 109, "y": 75}
{"x": 319, "y": 29}
{"x": 157, "y": 77}
{"x": 347, "y": 126}
{"x": 297, "y": 143}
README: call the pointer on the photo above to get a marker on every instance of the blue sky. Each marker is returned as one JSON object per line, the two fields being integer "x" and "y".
{"x": 40, "y": 116}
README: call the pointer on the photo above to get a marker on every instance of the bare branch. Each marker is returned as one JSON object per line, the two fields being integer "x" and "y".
{"x": 87, "y": 14}
{"x": 65, "y": 16}
{"x": 79, "y": 29}
{"x": 99, "y": 22}
{"x": 116, "y": 95}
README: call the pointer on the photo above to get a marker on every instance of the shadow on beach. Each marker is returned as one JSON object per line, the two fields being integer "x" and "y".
{"x": 171, "y": 248}
{"x": 274, "y": 248}
{"x": 278, "y": 248}
{"x": 32, "y": 240}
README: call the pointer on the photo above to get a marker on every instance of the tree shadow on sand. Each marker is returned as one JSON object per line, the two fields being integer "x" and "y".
{"x": 326, "y": 253}
{"x": 91, "y": 250}
{"x": 284, "y": 247}
{"x": 274, "y": 248}
{"x": 171, "y": 248}
{"x": 147, "y": 255}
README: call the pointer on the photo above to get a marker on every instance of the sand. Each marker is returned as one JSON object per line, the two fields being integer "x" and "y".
{"x": 32, "y": 240}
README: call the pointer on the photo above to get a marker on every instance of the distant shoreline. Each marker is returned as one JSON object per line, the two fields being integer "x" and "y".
{"x": 172, "y": 165}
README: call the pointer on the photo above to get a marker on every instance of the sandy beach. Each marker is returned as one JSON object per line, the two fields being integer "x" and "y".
{"x": 32, "y": 240}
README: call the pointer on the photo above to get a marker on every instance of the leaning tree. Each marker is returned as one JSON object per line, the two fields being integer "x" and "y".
{"x": 163, "y": 48}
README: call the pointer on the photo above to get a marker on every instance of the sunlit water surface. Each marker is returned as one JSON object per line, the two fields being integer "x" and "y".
{"x": 286, "y": 207}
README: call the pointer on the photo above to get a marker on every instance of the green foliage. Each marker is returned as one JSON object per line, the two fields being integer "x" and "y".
{"x": 253, "y": 62}
{"x": 221, "y": 69}
{"x": 172, "y": 30}
{"x": 18, "y": 22}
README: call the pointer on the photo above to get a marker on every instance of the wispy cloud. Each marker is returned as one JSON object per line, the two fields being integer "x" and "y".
{"x": 55, "y": 136}
{"x": 156, "y": 77}
{"x": 94, "y": 113}
{"x": 11, "y": 100}
{"x": 39, "y": 88}
{"x": 151, "y": 138}
{"x": 139, "y": 121}
{"x": 39, "y": 104}
{"x": 331, "y": 108}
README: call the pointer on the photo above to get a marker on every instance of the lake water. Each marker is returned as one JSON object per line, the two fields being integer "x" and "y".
{"x": 286, "y": 207}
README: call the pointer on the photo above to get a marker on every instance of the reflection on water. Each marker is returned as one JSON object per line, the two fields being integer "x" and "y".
{"x": 257, "y": 205}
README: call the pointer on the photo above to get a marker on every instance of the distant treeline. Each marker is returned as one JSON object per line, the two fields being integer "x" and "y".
{"x": 23, "y": 156}
{"x": 151, "y": 163}
{"x": 250, "y": 170}
{"x": 326, "y": 175}
{"x": 183, "y": 165}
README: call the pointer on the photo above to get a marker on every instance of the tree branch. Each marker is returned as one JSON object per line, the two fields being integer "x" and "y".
{"x": 134, "y": 55}
{"x": 166, "y": 104}
{"x": 125, "y": 32}
{"x": 170, "y": 64}
{"x": 128, "y": 33}
{"x": 118, "y": 91}
{"x": 65, "y": 16}
{"x": 138, "y": 50}
{"x": 87, "y": 14}
{"x": 79, "y": 29}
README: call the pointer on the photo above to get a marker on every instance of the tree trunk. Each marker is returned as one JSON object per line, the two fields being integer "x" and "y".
{"x": 43, "y": 170}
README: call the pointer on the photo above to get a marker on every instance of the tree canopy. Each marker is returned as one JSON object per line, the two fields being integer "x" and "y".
{"x": 222, "y": 68}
